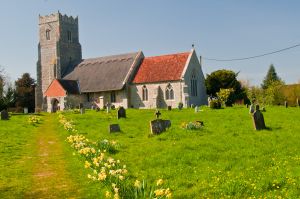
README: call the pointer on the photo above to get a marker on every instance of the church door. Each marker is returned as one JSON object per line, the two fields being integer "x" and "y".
{"x": 54, "y": 105}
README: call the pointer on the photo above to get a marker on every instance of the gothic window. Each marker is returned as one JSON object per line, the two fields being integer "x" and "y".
{"x": 69, "y": 33}
{"x": 48, "y": 34}
{"x": 145, "y": 93}
{"x": 194, "y": 89}
{"x": 113, "y": 97}
{"x": 169, "y": 92}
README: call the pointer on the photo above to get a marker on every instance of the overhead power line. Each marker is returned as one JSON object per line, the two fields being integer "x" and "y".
{"x": 252, "y": 57}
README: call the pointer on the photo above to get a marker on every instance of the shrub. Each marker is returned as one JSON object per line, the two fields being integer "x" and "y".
{"x": 215, "y": 104}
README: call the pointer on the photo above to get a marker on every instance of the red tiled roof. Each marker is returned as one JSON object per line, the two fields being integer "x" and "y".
{"x": 161, "y": 68}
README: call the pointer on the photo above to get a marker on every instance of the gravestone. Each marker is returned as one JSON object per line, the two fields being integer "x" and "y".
{"x": 82, "y": 110}
{"x": 113, "y": 128}
{"x": 158, "y": 126}
{"x": 247, "y": 105}
{"x": 169, "y": 108}
{"x": 298, "y": 102}
{"x": 157, "y": 113}
{"x": 285, "y": 104}
{"x": 107, "y": 107}
{"x": 258, "y": 119}
{"x": 25, "y": 110}
{"x": 196, "y": 109}
{"x": 252, "y": 108}
{"x": 121, "y": 112}
{"x": 180, "y": 105}
{"x": 263, "y": 109}
{"x": 4, "y": 115}
{"x": 80, "y": 105}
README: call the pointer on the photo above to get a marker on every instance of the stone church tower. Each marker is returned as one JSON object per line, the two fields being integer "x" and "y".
{"x": 59, "y": 51}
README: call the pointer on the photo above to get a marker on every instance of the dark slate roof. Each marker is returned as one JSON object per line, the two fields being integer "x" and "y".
{"x": 71, "y": 86}
{"x": 103, "y": 73}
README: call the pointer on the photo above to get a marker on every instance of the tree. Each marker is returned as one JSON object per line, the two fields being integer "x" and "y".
{"x": 25, "y": 96}
{"x": 224, "y": 94}
{"x": 225, "y": 79}
{"x": 270, "y": 77}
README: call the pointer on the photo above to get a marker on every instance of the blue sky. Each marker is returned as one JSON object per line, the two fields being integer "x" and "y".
{"x": 219, "y": 29}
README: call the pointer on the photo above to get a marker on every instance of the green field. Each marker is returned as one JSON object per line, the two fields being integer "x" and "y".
{"x": 226, "y": 158}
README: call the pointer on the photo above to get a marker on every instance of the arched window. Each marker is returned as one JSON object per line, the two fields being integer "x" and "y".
{"x": 48, "y": 34}
{"x": 169, "y": 92}
{"x": 145, "y": 93}
{"x": 69, "y": 33}
{"x": 194, "y": 90}
{"x": 113, "y": 96}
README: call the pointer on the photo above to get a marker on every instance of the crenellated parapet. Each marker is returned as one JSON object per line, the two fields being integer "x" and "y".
{"x": 58, "y": 17}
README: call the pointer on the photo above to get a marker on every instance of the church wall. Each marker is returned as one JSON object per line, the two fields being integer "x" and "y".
{"x": 156, "y": 95}
{"x": 201, "y": 98}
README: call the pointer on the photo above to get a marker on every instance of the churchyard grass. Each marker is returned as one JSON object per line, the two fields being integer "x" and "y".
{"x": 226, "y": 157}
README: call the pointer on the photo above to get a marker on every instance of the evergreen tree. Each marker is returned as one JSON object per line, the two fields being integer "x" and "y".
{"x": 25, "y": 92}
{"x": 270, "y": 77}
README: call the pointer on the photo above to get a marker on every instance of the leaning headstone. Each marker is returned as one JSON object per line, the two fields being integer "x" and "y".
{"x": 169, "y": 108}
{"x": 258, "y": 119}
{"x": 196, "y": 109}
{"x": 158, "y": 126}
{"x": 113, "y": 128}
{"x": 121, "y": 112}
{"x": 4, "y": 115}
{"x": 285, "y": 104}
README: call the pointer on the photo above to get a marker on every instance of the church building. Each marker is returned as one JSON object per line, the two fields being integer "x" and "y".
{"x": 130, "y": 80}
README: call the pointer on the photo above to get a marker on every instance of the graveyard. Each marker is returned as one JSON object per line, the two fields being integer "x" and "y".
{"x": 224, "y": 157}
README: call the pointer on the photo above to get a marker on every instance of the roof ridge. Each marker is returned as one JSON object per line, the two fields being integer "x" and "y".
{"x": 181, "y": 53}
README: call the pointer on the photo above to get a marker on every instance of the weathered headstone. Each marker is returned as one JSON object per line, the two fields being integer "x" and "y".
{"x": 113, "y": 128}
{"x": 107, "y": 107}
{"x": 298, "y": 102}
{"x": 82, "y": 110}
{"x": 121, "y": 112}
{"x": 285, "y": 104}
{"x": 25, "y": 110}
{"x": 180, "y": 105}
{"x": 158, "y": 126}
{"x": 196, "y": 109}
{"x": 4, "y": 115}
{"x": 258, "y": 119}
{"x": 169, "y": 108}
{"x": 252, "y": 108}
{"x": 192, "y": 106}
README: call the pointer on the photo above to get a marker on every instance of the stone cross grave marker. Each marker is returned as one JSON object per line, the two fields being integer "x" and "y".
{"x": 121, "y": 112}
{"x": 258, "y": 119}
{"x": 113, "y": 128}
{"x": 157, "y": 113}
{"x": 4, "y": 115}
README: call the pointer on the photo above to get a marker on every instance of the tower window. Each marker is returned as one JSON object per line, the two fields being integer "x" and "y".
{"x": 145, "y": 93}
{"x": 69, "y": 33}
{"x": 48, "y": 34}
{"x": 169, "y": 92}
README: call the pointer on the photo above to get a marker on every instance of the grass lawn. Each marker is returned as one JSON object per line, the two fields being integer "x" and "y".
{"x": 225, "y": 158}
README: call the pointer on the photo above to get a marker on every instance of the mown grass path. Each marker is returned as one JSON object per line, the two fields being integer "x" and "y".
{"x": 50, "y": 178}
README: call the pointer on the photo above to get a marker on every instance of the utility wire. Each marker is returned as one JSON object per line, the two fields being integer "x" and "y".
{"x": 252, "y": 57}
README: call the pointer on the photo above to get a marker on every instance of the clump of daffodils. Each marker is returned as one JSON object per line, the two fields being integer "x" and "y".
{"x": 105, "y": 169}
{"x": 34, "y": 119}
{"x": 191, "y": 125}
